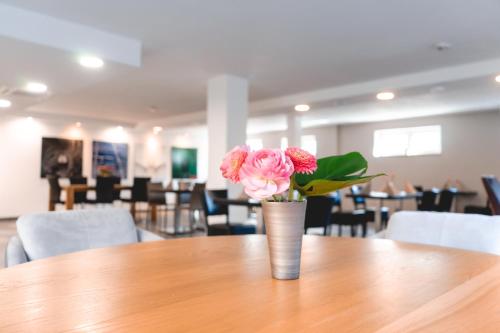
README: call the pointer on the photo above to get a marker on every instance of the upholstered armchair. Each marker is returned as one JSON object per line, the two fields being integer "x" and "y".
{"x": 54, "y": 233}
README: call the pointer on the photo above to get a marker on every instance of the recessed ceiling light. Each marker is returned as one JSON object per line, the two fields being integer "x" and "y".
{"x": 36, "y": 87}
{"x": 120, "y": 128}
{"x": 302, "y": 107}
{"x": 78, "y": 124}
{"x": 5, "y": 103}
{"x": 497, "y": 78}
{"x": 157, "y": 129}
{"x": 91, "y": 62}
{"x": 385, "y": 96}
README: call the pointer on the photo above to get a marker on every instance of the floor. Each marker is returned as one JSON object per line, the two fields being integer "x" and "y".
{"x": 162, "y": 228}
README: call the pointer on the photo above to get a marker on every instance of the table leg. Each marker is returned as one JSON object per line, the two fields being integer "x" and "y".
{"x": 132, "y": 210}
{"x": 70, "y": 198}
{"x": 177, "y": 213}
{"x": 52, "y": 206}
{"x": 153, "y": 213}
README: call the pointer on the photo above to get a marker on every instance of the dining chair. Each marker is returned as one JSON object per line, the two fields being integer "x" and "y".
{"x": 211, "y": 208}
{"x": 492, "y": 186}
{"x": 79, "y": 197}
{"x": 445, "y": 201}
{"x": 138, "y": 194}
{"x": 116, "y": 193}
{"x": 196, "y": 205}
{"x": 55, "y": 233}
{"x": 463, "y": 231}
{"x": 427, "y": 202}
{"x": 54, "y": 191}
{"x": 104, "y": 190}
{"x": 157, "y": 198}
{"x": 318, "y": 213}
{"x": 360, "y": 203}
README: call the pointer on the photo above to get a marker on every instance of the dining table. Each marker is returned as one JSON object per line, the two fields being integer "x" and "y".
{"x": 224, "y": 284}
{"x": 383, "y": 196}
{"x": 74, "y": 188}
{"x": 177, "y": 208}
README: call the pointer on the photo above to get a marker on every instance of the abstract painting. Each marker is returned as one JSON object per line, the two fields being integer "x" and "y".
{"x": 109, "y": 159}
{"x": 61, "y": 157}
{"x": 184, "y": 163}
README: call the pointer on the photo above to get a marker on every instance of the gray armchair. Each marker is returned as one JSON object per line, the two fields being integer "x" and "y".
{"x": 54, "y": 233}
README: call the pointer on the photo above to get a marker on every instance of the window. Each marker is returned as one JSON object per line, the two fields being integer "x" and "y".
{"x": 411, "y": 141}
{"x": 308, "y": 143}
{"x": 255, "y": 144}
{"x": 284, "y": 143}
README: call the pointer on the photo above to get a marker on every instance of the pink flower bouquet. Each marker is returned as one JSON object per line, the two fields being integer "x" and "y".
{"x": 269, "y": 173}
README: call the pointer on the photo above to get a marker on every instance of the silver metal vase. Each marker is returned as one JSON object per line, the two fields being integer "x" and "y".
{"x": 284, "y": 227}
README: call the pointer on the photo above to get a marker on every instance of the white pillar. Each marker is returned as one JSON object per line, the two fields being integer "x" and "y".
{"x": 294, "y": 130}
{"x": 227, "y": 110}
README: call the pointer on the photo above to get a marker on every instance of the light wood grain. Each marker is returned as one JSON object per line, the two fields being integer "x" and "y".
{"x": 72, "y": 189}
{"x": 223, "y": 284}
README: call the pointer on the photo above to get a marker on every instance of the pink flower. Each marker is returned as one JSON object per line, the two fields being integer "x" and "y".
{"x": 266, "y": 172}
{"x": 303, "y": 162}
{"x": 232, "y": 162}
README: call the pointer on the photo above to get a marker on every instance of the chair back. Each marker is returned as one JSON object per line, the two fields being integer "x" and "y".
{"x": 140, "y": 189}
{"x": 492, "y": 186}
{"x": 80, "y": 197}
{"x": 210, "y": 207}
{"x": 463, "y": 231}
{"x": 116, "y": 193}
{"x": 48, "y": 234}
{"x": 445, "y": 202}
{"x": 104, "y": 189}
{"x": 196, "y": 202}
{"x": 428, "y": 201}
{"x": 155, "y": 194}
{"x": 318, "y": 212}
{"x": 357, "y": 200}
{"x": 55, "y": 188}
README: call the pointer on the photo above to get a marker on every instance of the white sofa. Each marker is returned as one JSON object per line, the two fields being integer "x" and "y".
{"x": 49, "y": 234}
{"x": 464, "y": 231}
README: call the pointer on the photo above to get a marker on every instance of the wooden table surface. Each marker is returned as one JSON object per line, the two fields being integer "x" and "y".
{"x": 223, "y": 284}
{"x": 73, "y": 188}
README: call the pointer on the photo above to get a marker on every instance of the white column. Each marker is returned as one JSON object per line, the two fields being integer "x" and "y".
{"x": 294, "y": 130}
{"x": 227, "y": 110}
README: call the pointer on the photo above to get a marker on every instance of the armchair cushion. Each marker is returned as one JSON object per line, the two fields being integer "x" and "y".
{"x": 464, "y": 231}
{"x": 54, "y": 233}
{"x": 14, "y": 253}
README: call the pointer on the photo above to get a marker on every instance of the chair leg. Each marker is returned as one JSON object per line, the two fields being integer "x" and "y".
{"x": 364, "y": 229}
{"x": 354, "y": 230}
{"x": 340, "y": 230}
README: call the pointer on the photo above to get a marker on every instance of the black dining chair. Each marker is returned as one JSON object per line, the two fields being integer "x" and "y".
{"x": 445, "y": 201}
{"x": 116, "y": 193}
{"x": 80, "y": 197}
{"x": 104, "y": 190}
{"x": 360, "y": 204}
{"x": 138, "y": 194}
{"x": 427, "y": 202}
{"x": 157, "y": 198}
{"x": 354, "y": 219}
{"x": 211, "y": 208}
{"x": 318, "y": 213}
{"x": 492, "y": 187}
{"x": 54, "y": 191}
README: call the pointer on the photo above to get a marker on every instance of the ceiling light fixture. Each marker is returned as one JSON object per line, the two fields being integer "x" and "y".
{"x": 5, "y": 103}
{"x": 385, "y": 96}
{"x": 497, "y": 78}
{"x": 302, "y": 107}
{"x": 78, "y": 124}
{"x": 157, "y": 129}
{"x": 91, "y": 62}
{"x": 36, "y": 87}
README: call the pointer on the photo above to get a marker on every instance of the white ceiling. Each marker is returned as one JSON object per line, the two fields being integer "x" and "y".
{"x": 283, "y": 47}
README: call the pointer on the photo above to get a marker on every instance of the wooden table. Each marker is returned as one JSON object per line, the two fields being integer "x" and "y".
{"x": 223, "y": 284}
{"x": 72, "y": 189}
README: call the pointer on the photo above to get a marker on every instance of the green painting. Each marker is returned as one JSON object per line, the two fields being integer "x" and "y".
{"x": 184, "y": 163}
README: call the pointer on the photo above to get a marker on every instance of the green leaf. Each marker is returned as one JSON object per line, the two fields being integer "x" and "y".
{"x": 322, "y": 186}
{"x": 336, "y": 168}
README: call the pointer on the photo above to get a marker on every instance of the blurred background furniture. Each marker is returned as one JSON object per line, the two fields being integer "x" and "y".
{"x": 359, "y": 202}
{"x": 463, "y": 231}
{"x": 54, "y": 233}
{"x": 212, "y": 208}
{"x": 318, "y": 213}
{"x": 492, "y": 186}
{"x": 54, "y": 192}
{"x": 138, "y": 194}
{"x": 157, "y": 202}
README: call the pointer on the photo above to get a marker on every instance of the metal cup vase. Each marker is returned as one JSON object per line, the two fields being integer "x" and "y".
{"x": 284, "y": 227}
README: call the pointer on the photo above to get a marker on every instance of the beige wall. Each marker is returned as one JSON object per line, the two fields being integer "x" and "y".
{"x": 471, "y": 148}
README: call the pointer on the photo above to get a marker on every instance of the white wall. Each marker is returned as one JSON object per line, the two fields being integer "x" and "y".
{"x": 471, "y": 144}
{"x": 21, "y": 188}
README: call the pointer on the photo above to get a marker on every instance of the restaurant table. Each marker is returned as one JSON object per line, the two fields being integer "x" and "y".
{"x": 72, "y": 189}
{"x": 224, "y": 284}
{"x": 177, "y": 209}
{"x": 381, "y": 196}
